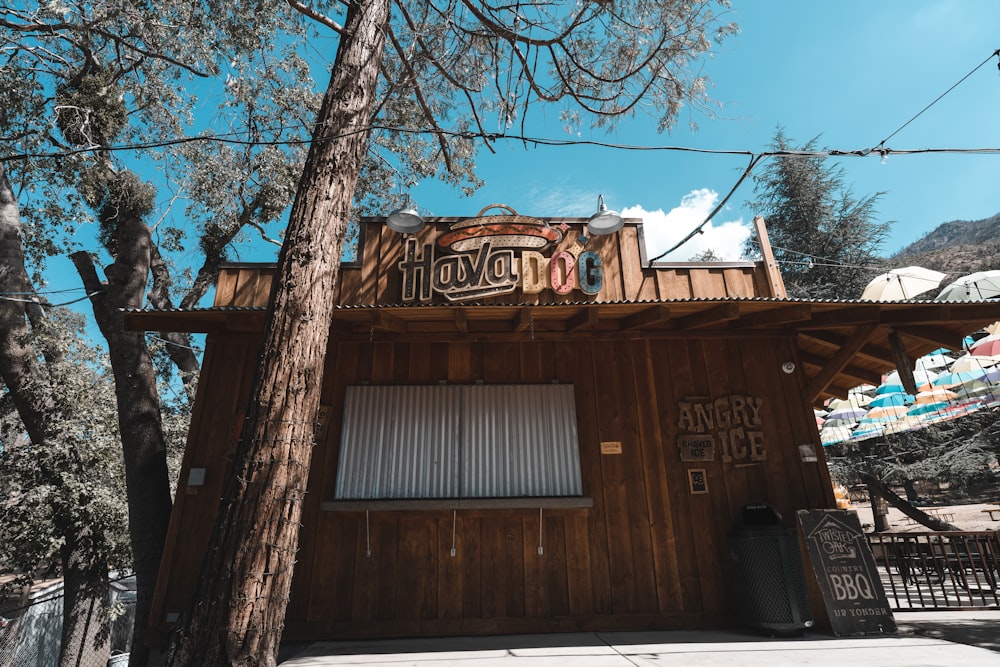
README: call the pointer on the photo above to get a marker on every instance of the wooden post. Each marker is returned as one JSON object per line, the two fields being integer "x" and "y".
{"x": 770, "y": 265}
{"x": 903, "y": 364}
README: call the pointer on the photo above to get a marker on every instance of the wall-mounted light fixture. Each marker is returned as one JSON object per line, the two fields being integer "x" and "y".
{"x": 604, "y": 221}
{"x": 405, "y": 220}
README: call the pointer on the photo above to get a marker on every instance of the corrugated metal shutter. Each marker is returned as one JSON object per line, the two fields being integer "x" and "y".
{"x": 459, "y": 441}
{"x": 399, "y": 442}
{"x": 519, "y": 440}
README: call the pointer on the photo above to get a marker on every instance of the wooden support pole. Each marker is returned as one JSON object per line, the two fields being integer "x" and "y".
{"x": 904, "y": 366}
{"x": 774, "y": 278}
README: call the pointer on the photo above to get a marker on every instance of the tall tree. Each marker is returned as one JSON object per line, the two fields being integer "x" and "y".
{"x": 57, "y": 446}
{"x": 93, "y": 95}
{"x": 827, "y": 241}
{"x": 601, "y": 60}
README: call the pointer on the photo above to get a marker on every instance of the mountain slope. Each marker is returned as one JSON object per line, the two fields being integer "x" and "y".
{"x": 957, "y": 248}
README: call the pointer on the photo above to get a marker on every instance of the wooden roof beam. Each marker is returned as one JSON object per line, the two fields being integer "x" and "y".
{"x": 862, "y": 375}
{"x": 656, "y": 315}
{"x": 872, "y": 352}
{"x": 381, "y": 321}
{"x": 854, "y": 343}
{"x": 524, "y": 320}
{"x": 945, "y": 312}
{"x": 587, "y": 318}
{"x": 936, "y": 337}
{"x": 714, "y": 315}
{"x": 847, "y": 316}
{"x": 775, "y": 316}
{"x": 462, "y": 320}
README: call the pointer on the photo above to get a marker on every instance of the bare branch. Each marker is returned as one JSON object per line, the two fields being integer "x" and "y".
{"x": 428, "y": 114}
{"x": 316, "y": 16}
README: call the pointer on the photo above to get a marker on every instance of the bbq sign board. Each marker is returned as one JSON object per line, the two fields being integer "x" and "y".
{"x": 845, "y": 570}
{"x": 493, "y": 255}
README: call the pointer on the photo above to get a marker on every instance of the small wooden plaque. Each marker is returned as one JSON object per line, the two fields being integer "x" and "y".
{"x": 697, "y": 480}
{"x": 696, "y": 447}
{"x": 611, "y": 447}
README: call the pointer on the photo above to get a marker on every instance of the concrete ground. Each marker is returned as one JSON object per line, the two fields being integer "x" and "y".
{"x": 925, "y": 639}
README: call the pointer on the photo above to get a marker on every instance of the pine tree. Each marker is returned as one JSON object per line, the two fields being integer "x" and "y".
{"x": 826, "y": 241}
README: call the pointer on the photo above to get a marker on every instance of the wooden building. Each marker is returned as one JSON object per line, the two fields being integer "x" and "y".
{"x": 527, "y": 430}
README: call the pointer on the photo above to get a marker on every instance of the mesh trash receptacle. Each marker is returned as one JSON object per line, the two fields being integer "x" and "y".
{"x": 768, "y": 574}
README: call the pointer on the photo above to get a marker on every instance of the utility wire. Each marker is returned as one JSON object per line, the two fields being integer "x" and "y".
{"x": 44, "y": 304}
{"x": 881, "y": 144}
{"x": 697, "y": 230}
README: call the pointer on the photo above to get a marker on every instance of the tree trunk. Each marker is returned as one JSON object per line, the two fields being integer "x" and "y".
{"x": 146, "y": 476}
{"x": 86, "y": 638}
{"x": 86, "y": 629}
{"x": 911, "y": 491}
{"x": 241, "y": 598}
{"x": 879, "y": 519}
{"x": 906, "y": 508}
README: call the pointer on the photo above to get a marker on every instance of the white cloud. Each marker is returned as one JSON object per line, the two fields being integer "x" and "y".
{"x": 663, "y": 230}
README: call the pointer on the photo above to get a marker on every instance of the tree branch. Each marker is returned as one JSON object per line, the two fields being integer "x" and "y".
{"x": 316, "y": 16}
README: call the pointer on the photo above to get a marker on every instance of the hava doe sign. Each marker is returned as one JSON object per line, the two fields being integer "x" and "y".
{"x": 494, "y": 255}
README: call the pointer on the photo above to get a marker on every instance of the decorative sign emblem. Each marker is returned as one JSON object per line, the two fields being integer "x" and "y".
{"x": 493, "y": 255}
{"x": 732, "y": 422}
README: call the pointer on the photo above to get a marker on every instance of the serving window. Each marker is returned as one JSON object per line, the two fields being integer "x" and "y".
{"x": 459, "y": 442}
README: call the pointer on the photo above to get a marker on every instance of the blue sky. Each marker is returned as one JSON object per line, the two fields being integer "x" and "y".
{"x": 849, "y": 72}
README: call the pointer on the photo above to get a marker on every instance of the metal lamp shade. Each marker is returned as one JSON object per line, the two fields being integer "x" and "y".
{"x": 405, "y": 220}
{"x": 604, "y": 221}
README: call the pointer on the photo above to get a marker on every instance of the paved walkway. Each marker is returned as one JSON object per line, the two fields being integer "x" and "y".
{"x": 926, "y": 639}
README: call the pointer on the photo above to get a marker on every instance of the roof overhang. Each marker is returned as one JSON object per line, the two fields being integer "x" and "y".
{"x": 841, "y": 344}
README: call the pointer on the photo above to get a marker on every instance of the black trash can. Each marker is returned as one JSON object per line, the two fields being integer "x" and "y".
{"x": 768, "y": 573}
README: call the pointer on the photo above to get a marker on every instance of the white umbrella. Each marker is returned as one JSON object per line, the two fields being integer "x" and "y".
{"x": 934, "y": 361}
{"x": 971, "y": 362}
{"x": 973, "y": 287}
{"x": 920, "y": 377}
{"x": 901, "y": 284}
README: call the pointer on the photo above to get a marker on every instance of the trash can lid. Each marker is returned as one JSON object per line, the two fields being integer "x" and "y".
{"x": 760, "y": 514}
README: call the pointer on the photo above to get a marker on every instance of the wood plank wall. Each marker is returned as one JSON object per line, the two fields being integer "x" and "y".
{"x": 648, "y": 554}
{"x": 375, "y": 278}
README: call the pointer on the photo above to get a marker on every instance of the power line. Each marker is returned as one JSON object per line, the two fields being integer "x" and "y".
{"x": 697, "y": 230}
{"x": 936, "y": 100}
{"x": 44, "y": 304}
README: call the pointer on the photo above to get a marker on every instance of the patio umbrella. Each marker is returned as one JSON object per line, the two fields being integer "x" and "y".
{"x": 935, "y": 360}
{"x": 935, "y": 395}
{"x": 919, "y": 376}
{"x": 845, "y": 416}
{"x": 830, "y": 435}
{"x": 973, "y": 287}
{"x": 986, "y": 347}
{"x": 895, "y": 398}
{"x": 973, "y": 362}
{"x": 953, "y": 411}
{"x": 920, "y": 409}
{"x": 904, "y": 424}
{"x": 951, "y": 380}
{"x": 849, "y": 403}
{"x": 890, "y": 388}
{"x": 901, "y": 284}
{"x": 883, "y": 414}
{"x": 976, "y": 389}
